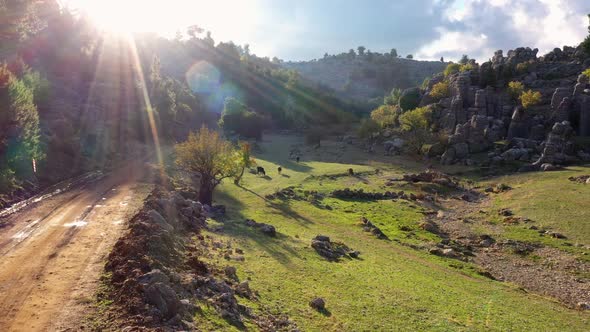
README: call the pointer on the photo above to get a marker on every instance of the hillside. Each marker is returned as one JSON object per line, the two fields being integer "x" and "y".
{"x": 364, "y": 77}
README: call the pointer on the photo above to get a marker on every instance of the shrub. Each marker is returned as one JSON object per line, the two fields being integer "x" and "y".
{"x": 440, "y": 90}
{"x": 416, "y": 124}
{"x": 419, "y": 118}
{"x": 515, "y": 89}
{"x": 586, "y": 43}
{"x": 386, "y": 115}
{"x": 410, "y": 99}
{"x": 586, "y": 73}
{"x": 368, "y": 128}
{"x": 530, "y": 98}
{"x": 467, "y": 67}
{"x": 451, "y": 69}
{"x": 393, "y": 98}
{"x": 522, "y": 68}
{"x": 236, "y": 117}
{"x": 425, "y": 83}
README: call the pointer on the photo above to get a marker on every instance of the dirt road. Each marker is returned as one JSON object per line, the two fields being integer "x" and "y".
{"x": 52, "y": 252}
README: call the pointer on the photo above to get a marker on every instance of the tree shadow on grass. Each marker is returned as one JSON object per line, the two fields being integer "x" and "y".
{"x": 283, "y": 207}
{"x": 280, "y": 247}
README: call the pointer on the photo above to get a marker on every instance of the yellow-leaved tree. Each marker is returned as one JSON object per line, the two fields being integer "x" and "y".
{"x": 209, "y": 155}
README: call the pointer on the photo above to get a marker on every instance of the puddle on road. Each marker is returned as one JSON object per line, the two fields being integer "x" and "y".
{"x": 52, "y": 191}
{"x": 26, "y": 232}
{"x": 77, "y": 223}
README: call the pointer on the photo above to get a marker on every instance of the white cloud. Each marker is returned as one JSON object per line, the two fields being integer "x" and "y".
{"x": 542, "y": 24}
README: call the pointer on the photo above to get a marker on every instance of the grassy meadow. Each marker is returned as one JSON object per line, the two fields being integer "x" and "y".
{"x": 391, "y": 287}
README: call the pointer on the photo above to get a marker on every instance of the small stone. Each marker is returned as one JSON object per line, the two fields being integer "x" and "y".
{"x": 318, "y": 304}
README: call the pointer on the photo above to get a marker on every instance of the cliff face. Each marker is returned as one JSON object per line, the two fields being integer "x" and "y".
{"x": 368, "y": 76}
{"x": 479, "y": 112}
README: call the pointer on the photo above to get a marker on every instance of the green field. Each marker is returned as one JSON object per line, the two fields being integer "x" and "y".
{"x": 392, "y": 287}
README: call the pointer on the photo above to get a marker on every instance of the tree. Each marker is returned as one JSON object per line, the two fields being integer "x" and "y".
{"x": 416, "y": 125}
{"x": 515, "y": 89}
{"x": 442, "y": 59}
{"x": 440, "y": 90}
{"x": 244, "y": 161}
{"x": 393, "y": 98}
{"x": 367, "y": 128}
{"x": 236, "y": 117}
{"x": 464, "y": 59}
{"x": 386, "y": 115}
{"x": 351, "y": 53}
{"x": 393, "y": 53}
{"x": 194, "y": 30}
{"x": 361, "y": 50}
{"x": 410, "y": 99}
{"x": 209, "y": 155}
{"x": 451, "y": 69}
{"x": 586, "y": 43}
{"x": 409, "y": 56}
{"x": 530, "y": 98}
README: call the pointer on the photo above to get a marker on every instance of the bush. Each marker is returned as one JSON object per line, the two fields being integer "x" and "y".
{"x": 451, "y": 69}
{"x": 586, "y": 73}
{"x": 410, "y": 99}
{"x": 368, "y": 128}
{"x": 440, "y": 90}
{"x": 586, "y": 45}
{"x": 530, "y": 98}
{"x": 236, "y": 117}
{"x": 467, "y": 67}
{"x": 515, "y": 89}
{"x": 386, "y": 115}
{"x": 522, "y": 68}
{"x": 419, "y": 118}
{"x": 416, "y": 125}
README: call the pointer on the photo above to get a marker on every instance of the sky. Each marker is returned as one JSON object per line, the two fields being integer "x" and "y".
{"x": 306, "y": 29}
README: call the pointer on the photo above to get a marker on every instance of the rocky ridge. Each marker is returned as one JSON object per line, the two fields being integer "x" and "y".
{"x": 480, "y": 116}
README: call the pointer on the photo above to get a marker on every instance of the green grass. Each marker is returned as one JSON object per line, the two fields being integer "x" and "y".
{"x": 392, "y": 287}
{"x": 551, "y": 200}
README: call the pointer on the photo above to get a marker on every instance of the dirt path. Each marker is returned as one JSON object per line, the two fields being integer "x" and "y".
{"x": 52, "y": 253}
{"x": 553, "y": 272}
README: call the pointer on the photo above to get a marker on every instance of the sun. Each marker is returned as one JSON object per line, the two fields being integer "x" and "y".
{"x": 118, "y": 16}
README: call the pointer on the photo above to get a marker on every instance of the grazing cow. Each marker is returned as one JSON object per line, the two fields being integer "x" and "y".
{"x": 260, "y": 170}
{"x": 350, "y": 172}
{"x": 280, "y": 169}
{"x": 297, "y": 158}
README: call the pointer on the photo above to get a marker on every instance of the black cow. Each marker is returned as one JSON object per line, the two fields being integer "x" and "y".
{"x": 280, "y": 169}
{"x": 260, "y": 170}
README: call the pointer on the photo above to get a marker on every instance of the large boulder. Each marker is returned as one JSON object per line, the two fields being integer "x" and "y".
{"x": 558, "y": 145}
{"x": 164, "y": 299}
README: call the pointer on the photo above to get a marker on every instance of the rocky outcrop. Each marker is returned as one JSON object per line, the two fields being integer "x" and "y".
{"x": 558, "y": 148}
{"x": 479, "y": 112}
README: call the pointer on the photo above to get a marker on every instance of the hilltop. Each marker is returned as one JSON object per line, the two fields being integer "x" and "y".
{"x": 362, "y": 77}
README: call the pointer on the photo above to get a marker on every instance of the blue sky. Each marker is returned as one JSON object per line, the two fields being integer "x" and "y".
{"x": 306, "y": 29}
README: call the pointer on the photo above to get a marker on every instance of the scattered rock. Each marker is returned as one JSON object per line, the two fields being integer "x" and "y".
{"x": 164, "y": 299}
{"x": 368, "y": 226}
{"x": 318, "y": 304}
{"x": 584, "y": 179}
{"x": 264, "y": 228}
{"x": 332, "y": 250}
